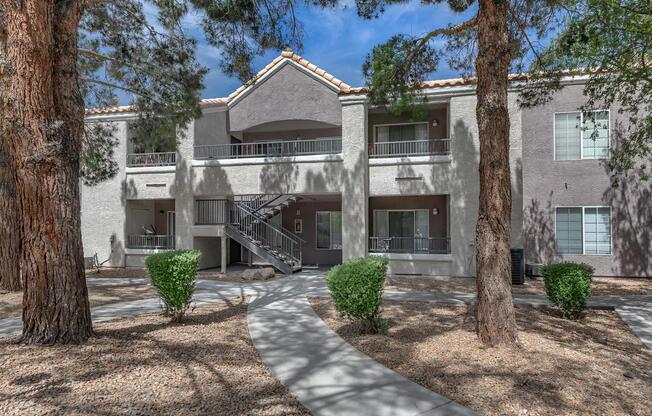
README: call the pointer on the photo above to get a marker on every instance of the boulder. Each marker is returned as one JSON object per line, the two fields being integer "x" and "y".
{"x": 251, "y": 274}
{"x": 267, "y": 273}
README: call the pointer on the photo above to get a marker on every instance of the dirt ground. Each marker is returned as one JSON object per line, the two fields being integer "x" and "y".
{"x": 595, "y": 366}
{"x": 147, "y": 366}
{"x": 601, "y": 285}
{"x": 11, "y": 303}
{"x": 142, "y": 273}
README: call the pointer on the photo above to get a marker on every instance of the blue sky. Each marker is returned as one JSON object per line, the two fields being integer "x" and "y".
{"x": 337, "y": 40}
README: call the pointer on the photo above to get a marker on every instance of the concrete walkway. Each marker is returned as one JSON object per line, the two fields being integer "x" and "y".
{"x": 329, "y": 376}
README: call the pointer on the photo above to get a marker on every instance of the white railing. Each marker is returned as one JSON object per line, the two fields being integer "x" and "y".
{"x": 270, "y": 149}
{"x": 149, "y": 241}
{"x": 410, "y": 148}
{"x": 210, "y": 211}
{"x": 426, "y": 245}
{"x": 139, "y": 160}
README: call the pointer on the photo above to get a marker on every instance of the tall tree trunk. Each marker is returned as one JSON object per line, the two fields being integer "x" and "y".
{"x": 9, "y": 230}
{"x": 45, "y": 122}
{"x": 496, "y": 323}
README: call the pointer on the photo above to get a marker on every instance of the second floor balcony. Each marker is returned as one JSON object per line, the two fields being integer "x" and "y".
{"x": 265, "y": 149}
{"x": 403, "y": 148}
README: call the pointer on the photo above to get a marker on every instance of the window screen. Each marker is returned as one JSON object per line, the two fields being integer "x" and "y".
{"x": 402, "y": 132}
{"x": 595, "y": 140}
{"x": 567, "y": 136}
{"x": 597, "y": 230}
{"x": 568, "y": 230}
{"x": 329, "y": 230}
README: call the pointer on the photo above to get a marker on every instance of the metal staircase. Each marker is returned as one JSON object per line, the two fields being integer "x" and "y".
{"x": 266, "y": 240}
{"x": 267, "y": 206}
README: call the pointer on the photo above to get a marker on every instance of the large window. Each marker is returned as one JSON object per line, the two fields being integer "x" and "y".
{"x": 401, "y": 132}
{"x": 407, "y": 229}
{"x": 582, "y": 135}
{"x": 329, "y": 230}
{"x": 583, "y": 230}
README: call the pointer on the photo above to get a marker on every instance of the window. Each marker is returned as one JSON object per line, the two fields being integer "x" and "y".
{"x": 583, "y": 230}
{"x": 401, "y": 132}
{"x": 582, "y": 135}
{"x": 409, "y": 228}
{"x": 329, "y": 230}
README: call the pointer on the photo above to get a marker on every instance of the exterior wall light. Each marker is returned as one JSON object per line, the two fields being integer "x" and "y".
{"x": 435, "y": 211}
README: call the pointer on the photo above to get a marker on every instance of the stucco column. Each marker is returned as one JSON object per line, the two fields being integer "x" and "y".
{"x": 355, "y": 183}
{"x": 183, "y": 189}
{"x": 223, "y": 251}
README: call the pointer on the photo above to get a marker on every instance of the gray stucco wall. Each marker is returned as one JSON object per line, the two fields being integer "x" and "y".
{"x": 308, "y": 211}
{"x": 103, "y": 210}
{"x": 212, "y": 128}
{"x": 548, "y": 184}
{"x": 287, "y": 94}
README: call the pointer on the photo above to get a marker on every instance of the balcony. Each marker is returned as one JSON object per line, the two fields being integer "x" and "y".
{"x": 210, "y": 211}
{"x": 150, "y": 241}
{"x": 321, "y": 146}
{"x": 142, "y": 160}
{"x": 404, "y": 148}
{"x": 410, "y": 245}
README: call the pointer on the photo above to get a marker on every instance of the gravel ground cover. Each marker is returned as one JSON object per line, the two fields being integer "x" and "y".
{"x": 147, "y": 366}
{"x": 11, "y": 303}
{"x": 602, "y": 286}
{"x": 595, "y": 366}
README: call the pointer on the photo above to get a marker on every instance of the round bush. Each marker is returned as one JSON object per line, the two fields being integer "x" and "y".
{"x": 357, "y": 290}
{"x": 173, "y": 275}
{"x": 568, "y": 285}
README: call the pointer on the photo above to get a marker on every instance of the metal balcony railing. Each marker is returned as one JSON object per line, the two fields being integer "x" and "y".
{"x": 210, "y": 211}
{"x": 139, "y": 160}
{"x": 299, "y": 147}
{"x": 413, "y": 245}
{"x": 148, "y": 241}
{"x": 410, "y": 148}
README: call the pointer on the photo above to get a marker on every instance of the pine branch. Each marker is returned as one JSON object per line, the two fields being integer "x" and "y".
{"x": 120, "y": 87}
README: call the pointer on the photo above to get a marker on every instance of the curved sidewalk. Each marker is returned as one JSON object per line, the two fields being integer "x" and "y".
{"x": 327, "y": 375}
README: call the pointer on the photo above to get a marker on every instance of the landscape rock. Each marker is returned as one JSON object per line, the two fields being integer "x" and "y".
{"x": 267, "y": 273}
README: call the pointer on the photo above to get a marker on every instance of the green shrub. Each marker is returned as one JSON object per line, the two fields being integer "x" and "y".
{"x": 357, "y": 289}
{"x": 568, "y": 285}
{"x": 173, "y": 275}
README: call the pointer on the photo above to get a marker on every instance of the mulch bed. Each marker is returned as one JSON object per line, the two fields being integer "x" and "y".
{"x": 594, "y": 366}
{"x": 144, "y": 366}
{"x": 602, "y": 286}
{"x": 11, "y": 304}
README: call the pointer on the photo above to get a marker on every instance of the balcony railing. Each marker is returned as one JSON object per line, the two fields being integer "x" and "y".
{"x": 140, "y": 160}
{"x": 413, "y": 245}
{"x": 410, "y": 148}
{"x": 148, "y": 241}
{"x": 210, "y": 211}
{"x": 300, "y": 147}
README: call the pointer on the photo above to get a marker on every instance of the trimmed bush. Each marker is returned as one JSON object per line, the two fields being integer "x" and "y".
{"x": 357, "y": 290}
{"x": 173, "y": 275}
{"x": 568, "y": 285}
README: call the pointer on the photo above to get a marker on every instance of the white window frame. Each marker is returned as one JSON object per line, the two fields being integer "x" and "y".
{"x": 330, "y": 236}
{"x": 375, "y": 127}
{"x": 584, "y": 208}
{"x": 554, "y": 136}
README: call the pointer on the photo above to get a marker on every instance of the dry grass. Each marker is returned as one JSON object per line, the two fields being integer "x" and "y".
{"x": 11, "y": 303}
{"x": 602, "y": 286}
{"x": 145, "y": 366}
{"x": 142, "y": 273}
{"x": 595, "y": 366}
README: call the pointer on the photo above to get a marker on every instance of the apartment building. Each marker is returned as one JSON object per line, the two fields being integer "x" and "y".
{"x": 297, "y": 169}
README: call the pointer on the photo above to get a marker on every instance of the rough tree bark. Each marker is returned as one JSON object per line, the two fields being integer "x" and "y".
{"x": 44, "y": 126}
{"x": 496, "y": 323}
{"x": 9, "y": 238}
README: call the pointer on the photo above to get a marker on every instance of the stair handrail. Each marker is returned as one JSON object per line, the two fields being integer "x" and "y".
{"x": 259, "y": 217}
{"x": 290, "y": 246}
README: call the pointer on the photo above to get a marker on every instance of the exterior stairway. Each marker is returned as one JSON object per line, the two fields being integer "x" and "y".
{"x": 253, "y": 231}
{"x": 268, "y": 206}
